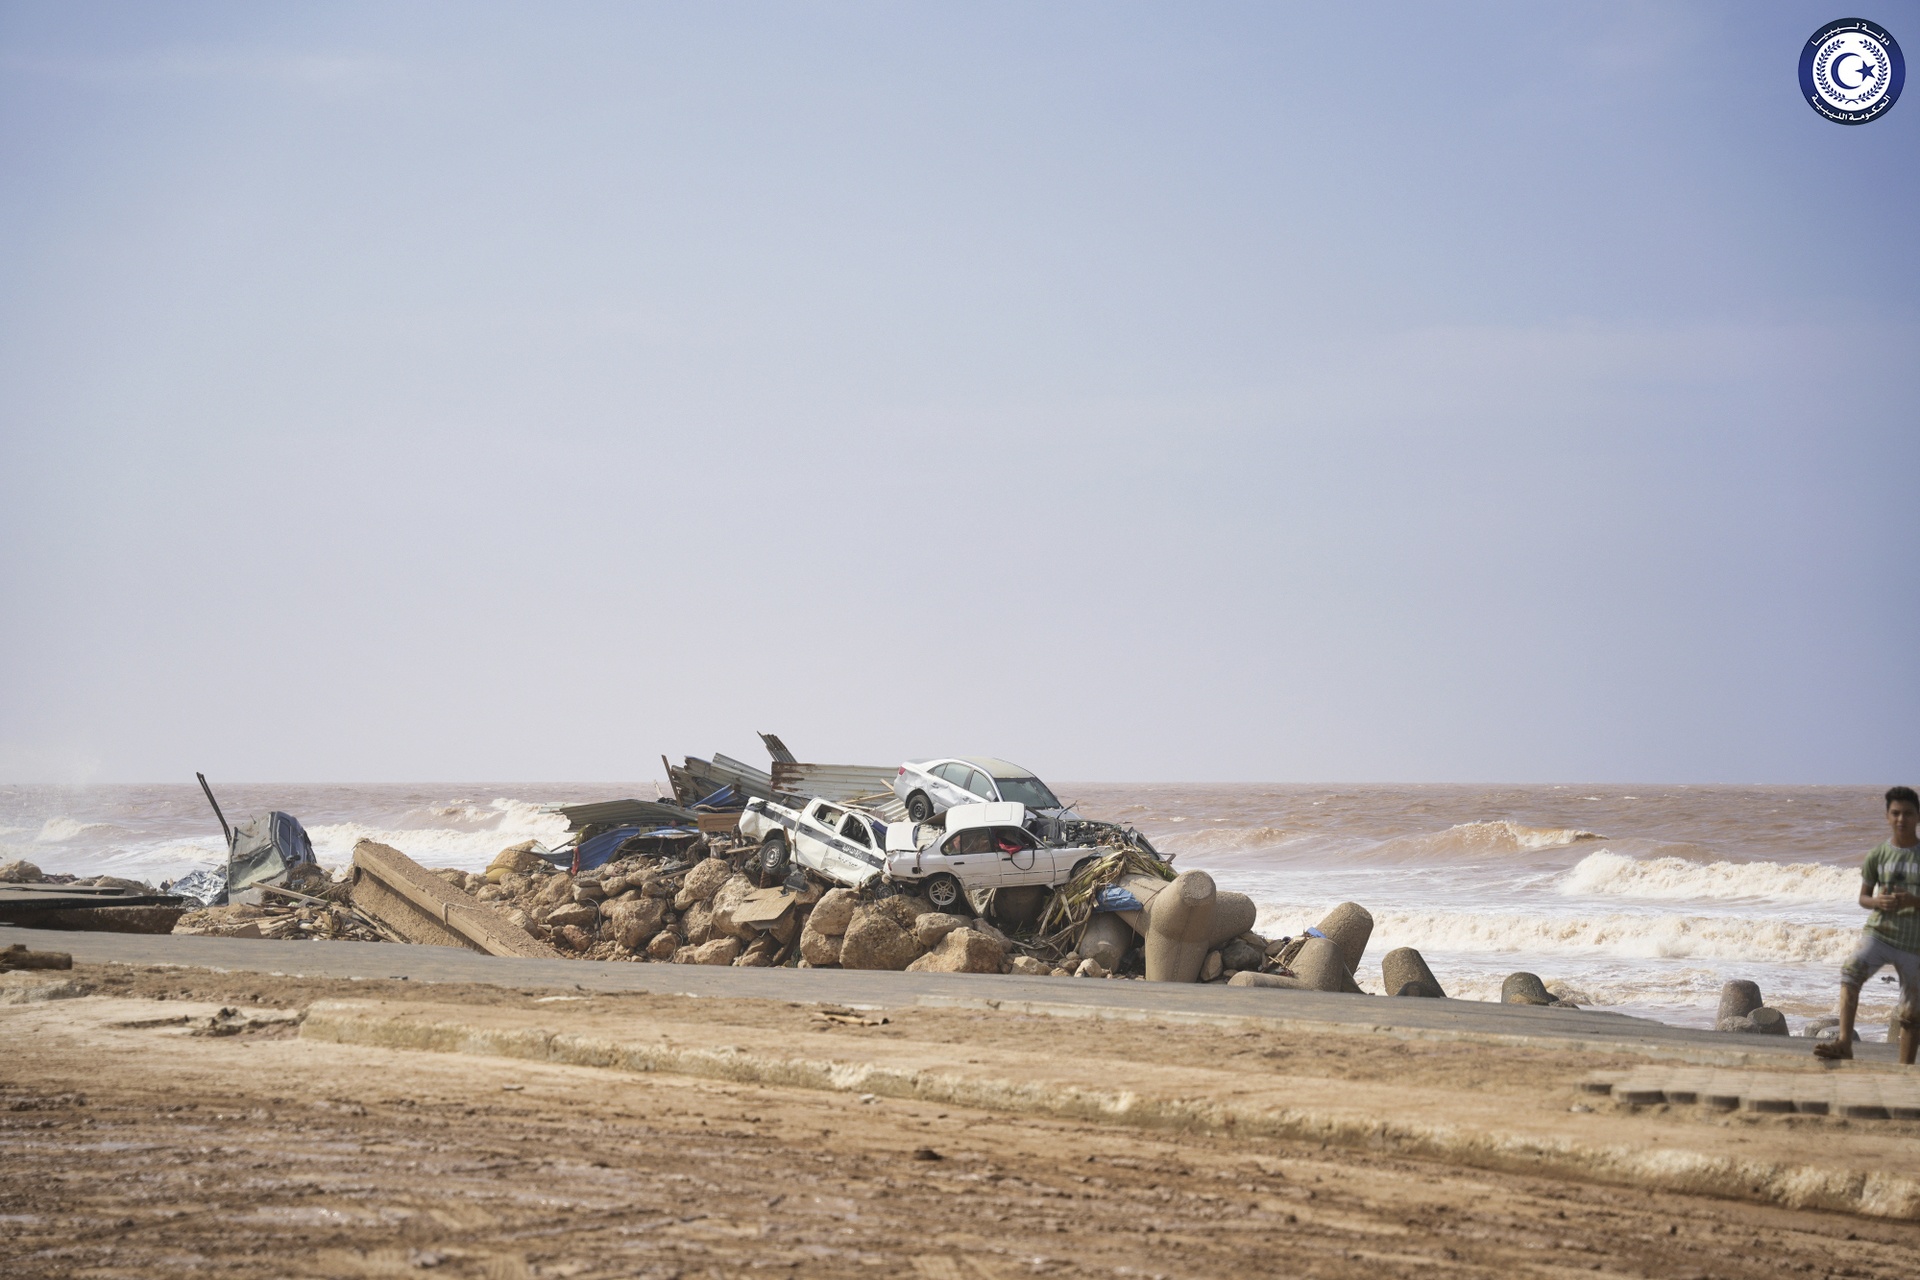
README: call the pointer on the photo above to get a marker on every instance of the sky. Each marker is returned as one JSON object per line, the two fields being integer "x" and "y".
{"x": 1400, "y": 392}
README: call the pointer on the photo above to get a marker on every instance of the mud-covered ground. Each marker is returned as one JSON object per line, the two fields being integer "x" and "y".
{"x": 153, "y": 1152}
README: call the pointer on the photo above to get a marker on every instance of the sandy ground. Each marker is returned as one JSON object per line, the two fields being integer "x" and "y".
{"x": 133, "y": 1147}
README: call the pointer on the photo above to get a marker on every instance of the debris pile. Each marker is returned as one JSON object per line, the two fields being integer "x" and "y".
{"x": 310, "y": 905}
{"x": 111, "y": 904}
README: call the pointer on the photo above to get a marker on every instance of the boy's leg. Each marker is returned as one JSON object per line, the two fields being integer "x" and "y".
{"x": 1865, "y": 962}
{"x": 1908, "y": 967}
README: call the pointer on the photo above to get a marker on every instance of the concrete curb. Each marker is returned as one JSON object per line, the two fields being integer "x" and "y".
{"x": 1873, "y": 1194}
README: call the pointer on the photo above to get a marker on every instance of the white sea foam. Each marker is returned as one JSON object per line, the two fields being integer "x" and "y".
{"x": 1608, "y": 874}
{"x": 470, "y": 847}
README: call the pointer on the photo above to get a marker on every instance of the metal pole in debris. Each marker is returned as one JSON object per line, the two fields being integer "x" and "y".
{"x": 225, "y": 830}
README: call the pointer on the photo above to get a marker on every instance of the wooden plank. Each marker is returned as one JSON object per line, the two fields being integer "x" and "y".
{"x": 763, "y": 907}
{"x": 458, "y": 913}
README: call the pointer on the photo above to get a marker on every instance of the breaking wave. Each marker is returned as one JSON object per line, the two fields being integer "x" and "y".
{"x": 1219, "y": 841}
{"x": 484, "y": 832}
{"x": 1607, "y": 874}
{"x": 61, "y": 829}
{"x": 1468, "y": 841}
{"x": 1647, "y": 937}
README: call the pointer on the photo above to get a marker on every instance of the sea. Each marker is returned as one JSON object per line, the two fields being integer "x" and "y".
{"x": 1641, "y": 899}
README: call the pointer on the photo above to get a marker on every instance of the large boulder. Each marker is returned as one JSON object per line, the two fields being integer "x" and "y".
{"x": 516, "y": 858}
{"x": 834, "y": 912}
{"x": 580, "y": 914}
{"x": 720, "y": 951}
{"x": 876, "y": 939}
{"x": 1238, "y": 955}
{"x": 960, "y": 951}
{"x": 903, "y": 908}
{"x": 633, "y": 923}
{"x": 702, "y": 882}
{"x": 664, "y": 945}
{"x": 557, "y": 889}
{"x": 821, "y": 950}
{"x": 728, "y": 896}
{"x": 1105, "y": 938}
{"x": 697, "y": 924}
{"x": 930, "y": 928}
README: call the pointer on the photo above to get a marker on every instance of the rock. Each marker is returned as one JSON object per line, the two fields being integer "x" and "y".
{"x": 759, "y": 953}
{"x": 834, "y": 912}
{"x": 583, "y": 914}
{"x": 1349, "y": 926}
{"x": 1738, "y": 999}
{"x": 875, "y": 939}
{"x": 702, "y": 882}
{"x": 1177, "y": 927}
{"x": 930, "y": 928}
{"x": 1241, "y": 954}
{"x": 1212, "y": 967}
{"x": 725, "y": 899}
{"x": 632, "y": 924}
{"x": 1321, "y": 967}
{"x": 1106, "y": 939}
{"x": 1030, "y": 967}
{"x": 585, "y": 890}
{"x": 1567, "y": 996}
{"x": 493, "y": 893}
{"x": 573, "y": 937}
{"x": 903, "y": 908}
{"x": 1404, "y": 971}
{"x": 516, "y": 857}
{"x": 655, "y": 885}
{"x": 557, "y": 889}
{"x": 1524, "y": 988}
{"x": 720, "y": 951}
{"x": 684, "y": 955}
{"x": 664, "y": 944}
{"x": 1090, "y": 968}
{"x": 20, "y": 871}
{"x": 697, "y": 924}
{"x": 452, "y": 875}
{"x": 520, "y": 918}
{"x": 960, "y": 951}
{"x": 1768, "y": 1022}
{"x": 1742, "y": 1025}
{"x": 819, "y": 950}
{"x": 1060, "y": 971}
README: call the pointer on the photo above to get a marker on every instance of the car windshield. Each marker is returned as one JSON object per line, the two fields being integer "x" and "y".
{"x": 1030, "y": 792}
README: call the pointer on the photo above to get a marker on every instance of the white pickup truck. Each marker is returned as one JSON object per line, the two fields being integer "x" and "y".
{"x": 843, "y": 844}
{"x": 983, "y": 847}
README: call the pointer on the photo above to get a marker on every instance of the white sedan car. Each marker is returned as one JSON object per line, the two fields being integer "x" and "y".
{"x": 931, "y": 787}
{"x": 984, "y": 847}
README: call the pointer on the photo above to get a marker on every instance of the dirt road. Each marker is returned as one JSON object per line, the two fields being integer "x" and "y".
{"x": 130, "y": 1146}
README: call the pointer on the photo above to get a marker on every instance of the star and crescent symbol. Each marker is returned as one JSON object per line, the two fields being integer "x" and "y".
{"x": 1839, "y": 67}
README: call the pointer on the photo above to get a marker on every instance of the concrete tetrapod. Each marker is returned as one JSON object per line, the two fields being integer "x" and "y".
{"x": 1404, "y": 972}
{"x": 1524, "y": 988}
{"x": 1233, "y": 915}
{"x": 1321, "y": 967}
{"x": 1349, "y": 927}
{"x": 1105, "y": 939}
{"x": 1738, "y": 999}
{"x": 1179, "y": 928}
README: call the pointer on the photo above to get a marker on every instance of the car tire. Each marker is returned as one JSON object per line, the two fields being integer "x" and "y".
{"x": 946, "y": 895}
{"x": 1082, "y": 865}
{"x": 773, "y": 859}
{"x": 919, "y": 808}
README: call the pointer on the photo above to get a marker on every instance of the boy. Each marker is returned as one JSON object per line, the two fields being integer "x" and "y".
{"x": 1890, "y": 888}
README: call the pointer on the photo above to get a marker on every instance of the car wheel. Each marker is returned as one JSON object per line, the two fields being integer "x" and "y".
{"x": 1082, "y": 865}
{"x": 773, "y": 859}
{"x": 919, "y": 808}
{"x": 945, "y": 893}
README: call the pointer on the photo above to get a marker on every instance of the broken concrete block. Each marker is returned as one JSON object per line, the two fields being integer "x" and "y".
{"x": 1248, "y": 978}
{"x": 1738, "y": 999}
{"x": 1760, "y": 1022}
{"x": 960, "y": 951}
{"x": 1321, "y": 966}
{"x": 1212, "y": 967}
{"x": 1350, "y": 927}
{"x": 875, "y": 939}
{"x": 1179, "y": 923}
{"x": 1524, "y": 988}
{"x": 1105, "y": 939}
{"x": 834, "y": 912}
{"x": 702, "y": 882}
{"x": 18, "y": 956}
{"x": 1404, "y": 972}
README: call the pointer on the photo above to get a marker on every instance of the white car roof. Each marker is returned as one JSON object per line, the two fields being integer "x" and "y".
{"x": 992, "y": 766}
{"x": 1002, "y": 813}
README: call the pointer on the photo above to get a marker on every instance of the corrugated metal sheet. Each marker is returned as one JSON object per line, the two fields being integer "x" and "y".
{"x": 832, "y": 781}
{"x": 624, "y": 813}
{"x": 777, "y": 750}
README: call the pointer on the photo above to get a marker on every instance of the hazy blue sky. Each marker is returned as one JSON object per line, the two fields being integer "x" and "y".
{"x": 1293, "y": 392}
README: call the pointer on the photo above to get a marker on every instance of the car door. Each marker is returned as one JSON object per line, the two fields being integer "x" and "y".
{"x": 810, "y": 844}
{"x": 952, "y": 787}
{"x": 857, "y": 850}
{"x": 970, "y": 855}
{"x": 1029, "y": 863}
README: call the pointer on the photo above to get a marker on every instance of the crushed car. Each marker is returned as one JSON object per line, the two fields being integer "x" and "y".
{"x": 836, "y": 841}
{"x": 929, "y": 788}
{"x": 985, "y": 846}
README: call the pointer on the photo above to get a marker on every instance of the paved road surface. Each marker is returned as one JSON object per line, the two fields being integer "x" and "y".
{"x": 1312, "y": 1012}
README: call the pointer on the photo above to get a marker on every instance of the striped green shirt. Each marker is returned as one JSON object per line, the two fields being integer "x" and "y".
{"x": 1893, "y": 868}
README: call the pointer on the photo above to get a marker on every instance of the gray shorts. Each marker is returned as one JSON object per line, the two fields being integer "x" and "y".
{"x": 1876, "y": 953}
